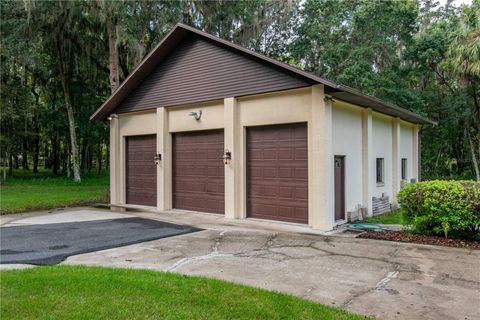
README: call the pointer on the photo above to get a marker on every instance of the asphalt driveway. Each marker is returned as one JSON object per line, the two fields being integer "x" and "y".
{"x": 51, "y": 243}
{"x": 386, "y": 279}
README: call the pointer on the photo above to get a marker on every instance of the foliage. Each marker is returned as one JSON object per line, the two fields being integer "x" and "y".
{"x": 413, "y": 54}
{"x": 69, "y": 55}
{"x": 442, "y": 207}
{"x": 76, "y": 292}
{"x": 25, "y": 191}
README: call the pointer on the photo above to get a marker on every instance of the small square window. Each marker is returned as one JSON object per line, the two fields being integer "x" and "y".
{"x": 404, "y": 169}
{"x": 380, "y": 170}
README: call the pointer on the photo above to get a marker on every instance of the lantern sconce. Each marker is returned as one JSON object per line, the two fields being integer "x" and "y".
{"x": 328, "y": 98}
{"x": 196, "y": 115}
{"x": 227, "y": 157}
{"x": 157, "y": 158}
{"x": 112, "y": 116}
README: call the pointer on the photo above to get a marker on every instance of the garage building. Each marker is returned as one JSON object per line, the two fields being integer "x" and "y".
{"x": 204, "y": 125}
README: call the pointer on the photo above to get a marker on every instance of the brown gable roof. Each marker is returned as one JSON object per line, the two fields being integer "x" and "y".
{"x": 122, "y": 101}
{"x": 200, "y": 70}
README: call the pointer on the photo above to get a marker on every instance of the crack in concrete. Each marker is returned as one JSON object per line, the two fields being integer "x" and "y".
{"x": 381, "y": 285}
{"x": 383, "y": 282}
{"x": 269, "y": 242}
{"x": 265, "y": 250}
{"x": 268, "y": 251}
{"x": 214, "y": 254}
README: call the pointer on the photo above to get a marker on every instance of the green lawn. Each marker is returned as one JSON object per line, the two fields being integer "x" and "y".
{"x": 394, "y": 217}
{"x": 67, "y": 292}
{"x": 24, "y": 192}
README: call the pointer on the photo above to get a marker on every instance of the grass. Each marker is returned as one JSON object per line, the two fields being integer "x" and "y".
{"x": 394, "y": 217}
{"x": 75, "y": 292}
{"x": 27, "y": 191}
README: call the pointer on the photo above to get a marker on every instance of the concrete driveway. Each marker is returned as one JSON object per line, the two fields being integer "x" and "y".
{"x": 386, "y": 279}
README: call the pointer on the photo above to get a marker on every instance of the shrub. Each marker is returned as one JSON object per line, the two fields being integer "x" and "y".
{"x": 449, "y": 208}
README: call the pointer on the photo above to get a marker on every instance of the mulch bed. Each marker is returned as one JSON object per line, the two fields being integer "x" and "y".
{"x": 418, "y": 238}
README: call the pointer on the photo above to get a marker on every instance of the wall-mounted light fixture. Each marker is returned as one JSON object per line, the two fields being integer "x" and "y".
{"x": 157, "y": 158}
{"x": 227, "y": 157}
{"x": 196, "y": 115}
{"x": 328, "y": 98}
{"x": 112, "y": 116}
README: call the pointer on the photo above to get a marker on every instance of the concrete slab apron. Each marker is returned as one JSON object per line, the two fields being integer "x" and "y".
{"x": 386, "y": 279}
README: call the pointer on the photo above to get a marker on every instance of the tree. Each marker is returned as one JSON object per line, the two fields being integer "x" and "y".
{"x": 60, "y": 60}
{"x": 464, "y": 60}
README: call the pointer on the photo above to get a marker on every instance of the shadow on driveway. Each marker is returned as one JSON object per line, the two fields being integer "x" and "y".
{"x": 49, "y": 244}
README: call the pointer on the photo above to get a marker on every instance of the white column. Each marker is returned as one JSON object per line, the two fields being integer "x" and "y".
{"x": 115, "y": 161}
{"x": 164, "y": 169}
{"x": 395, "y": 159}
{"x": 233, "y": 170}
{"x": 320, "y": 162}
{"x": 416, "y": 152}
{"x": 368, "y": 161}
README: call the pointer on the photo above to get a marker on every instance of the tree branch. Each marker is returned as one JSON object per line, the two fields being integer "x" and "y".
{"x": 92, "y": 58}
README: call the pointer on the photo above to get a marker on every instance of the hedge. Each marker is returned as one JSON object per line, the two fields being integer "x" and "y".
{"x": 448, "y": 208}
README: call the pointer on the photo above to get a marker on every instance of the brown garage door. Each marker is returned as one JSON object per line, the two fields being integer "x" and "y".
{"x": 277, "y": 172}
{"x": 198, "y": 171}
{"x": 141, "y": 170}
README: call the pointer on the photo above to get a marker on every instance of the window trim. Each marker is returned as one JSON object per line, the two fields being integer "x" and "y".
{"x": 380, "y": 171}
{"x": 404, "y": 168}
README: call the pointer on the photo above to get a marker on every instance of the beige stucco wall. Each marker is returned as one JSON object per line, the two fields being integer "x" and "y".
{"x": 406, "y": 148}
{"x": 283, "y": 107}
{"x": 130, "y": 124}
{"x": 382, "y": 148}
{"x": 347, "y": 141}
{"x": 212, "y": 117}
{"x": 294, "y": 106}
{"x": 334, "y": 128}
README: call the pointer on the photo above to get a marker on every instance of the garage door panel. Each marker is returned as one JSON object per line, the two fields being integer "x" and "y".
{"x": 139, "y": 183}
{"x": 141, "y": 171}
{"x": 301, "y": 193}
{"x": 286, "y": 172}
{"x": 286, "y": 192}
{"x": 285, "y": 153}
{"x": 301, "y": 173}
{"x": 301, "y": 153}
{"x": 277, "y": 172}
{"x": 198, "y": 171}
{"x": 213, "y": 172}
{"x": 263, "y": 209}
{"x": 285, "y": 211}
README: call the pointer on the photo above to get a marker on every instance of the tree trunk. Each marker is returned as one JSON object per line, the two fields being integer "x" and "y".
{"x": 10, "y": 164}
{"x": 25, "y": 148}
{"x": 89, "y": 157}
{"x": 473, "y": 153}
{"x": 25, "y": 160}
{"x": 46, "y": 157}
{"x": 55, "y": 147}
{"x": 36, "y": 137}
{"x": 15, "y": 161}
{"x": 36, "y": 153}
{"x": 83, "y": 156}
{"x": 142, "y": 30}
{"x": 99, "y": 157}
{"x": 122, "y": 61}
{"x": 71, "y": 120}
{"x": 36, "y": 145}
{"x": 113, "y": 61}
